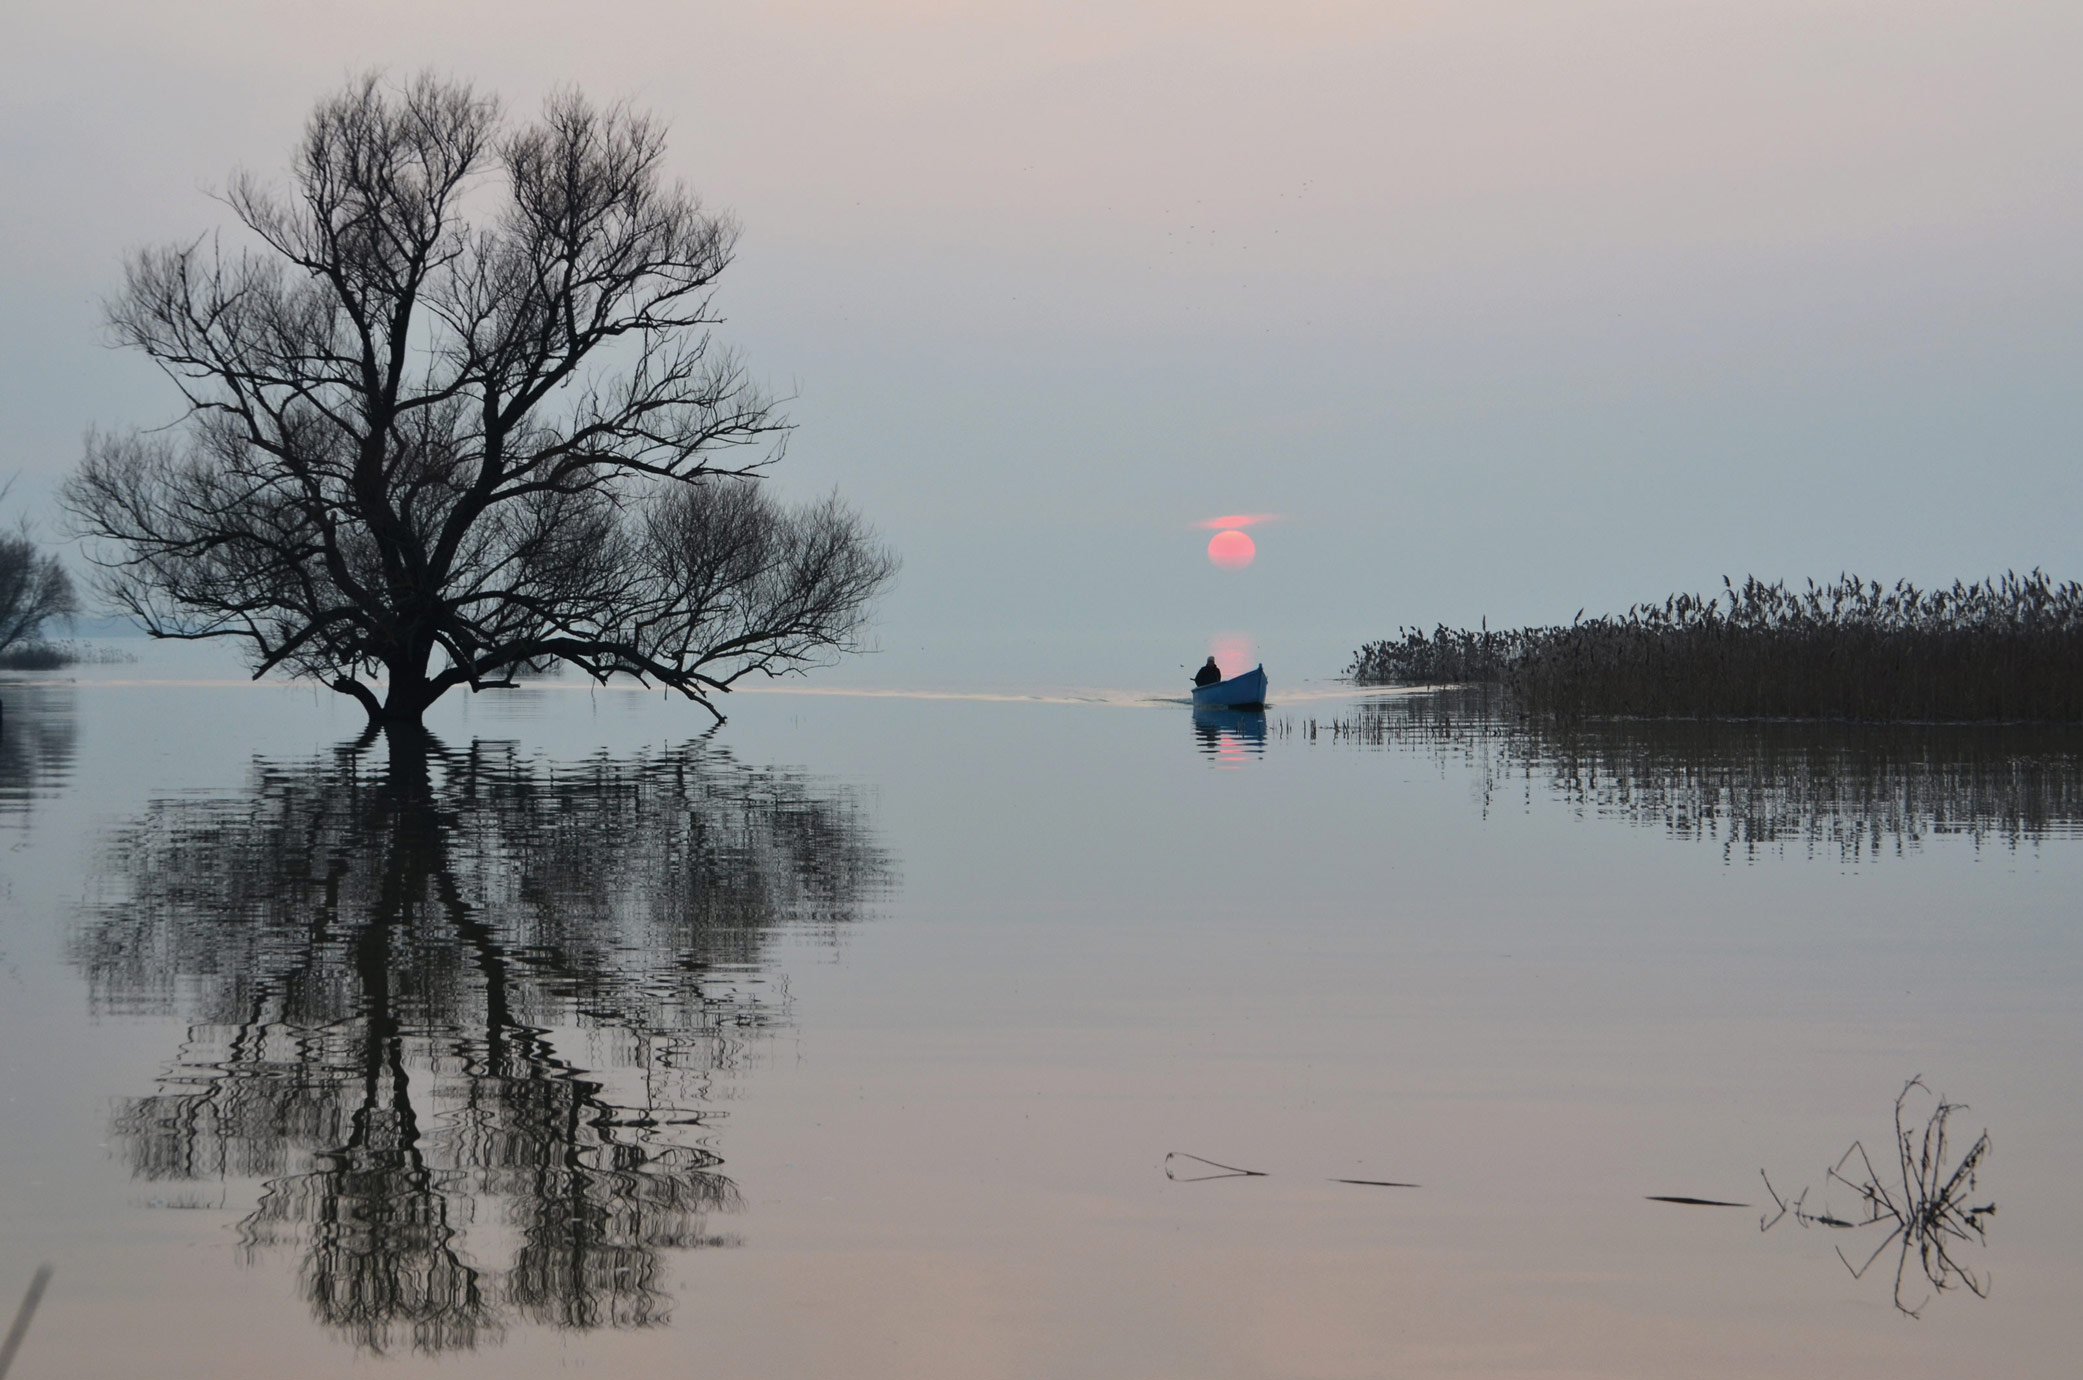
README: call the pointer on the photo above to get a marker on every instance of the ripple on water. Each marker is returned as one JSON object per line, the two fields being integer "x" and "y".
{"x": 39, "y": 737}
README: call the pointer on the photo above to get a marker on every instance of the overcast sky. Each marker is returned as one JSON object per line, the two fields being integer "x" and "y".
{"x": 1509, "y": 308}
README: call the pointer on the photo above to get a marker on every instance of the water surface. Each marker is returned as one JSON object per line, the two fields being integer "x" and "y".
{"x": 852, "y": 1039}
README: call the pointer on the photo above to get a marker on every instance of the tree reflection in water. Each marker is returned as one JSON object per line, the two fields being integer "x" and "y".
{"x": 465, "y": 1006}
{"x": 38, "y": 739}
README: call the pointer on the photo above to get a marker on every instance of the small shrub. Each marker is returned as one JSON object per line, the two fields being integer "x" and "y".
{"x": 36, "y": 656}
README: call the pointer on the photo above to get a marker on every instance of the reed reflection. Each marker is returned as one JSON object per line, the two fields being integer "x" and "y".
{"x": 1754, "y": 786}
{"x": 466, "y": 1014}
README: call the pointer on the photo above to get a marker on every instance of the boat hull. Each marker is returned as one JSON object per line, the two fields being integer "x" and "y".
{"x": 1247, "y": 691}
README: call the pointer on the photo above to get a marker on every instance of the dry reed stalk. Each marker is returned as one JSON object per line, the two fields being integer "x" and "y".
{"x": 1926, "y": 1202}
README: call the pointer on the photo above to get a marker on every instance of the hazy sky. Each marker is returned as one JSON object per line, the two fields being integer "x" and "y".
{"x": 1509, "y": 308}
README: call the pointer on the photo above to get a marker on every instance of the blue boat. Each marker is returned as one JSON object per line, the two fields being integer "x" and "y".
{"x": 1247, "y": 691}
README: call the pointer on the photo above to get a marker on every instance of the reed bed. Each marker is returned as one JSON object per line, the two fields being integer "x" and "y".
{"x": 2003, "y": 650}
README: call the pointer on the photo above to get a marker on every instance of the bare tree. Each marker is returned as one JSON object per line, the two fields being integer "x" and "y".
{"x": 33, "y": 588}
{"x": 460, "y": 414}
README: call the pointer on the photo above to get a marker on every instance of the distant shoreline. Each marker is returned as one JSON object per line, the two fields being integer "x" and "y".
{"x": 45, "y": 655}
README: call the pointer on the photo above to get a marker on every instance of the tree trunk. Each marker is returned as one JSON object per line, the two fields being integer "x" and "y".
{"x": 411, "y": 689}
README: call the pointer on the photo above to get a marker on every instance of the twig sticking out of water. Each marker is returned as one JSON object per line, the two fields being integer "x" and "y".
{"x": 1926, "y": 1203}
{"x": 21, "y": 1318}
{"x": 1228, "y": 1171}
{"x": 1686, "y": 1201}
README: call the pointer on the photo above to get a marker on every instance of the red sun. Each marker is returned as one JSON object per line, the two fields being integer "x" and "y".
{"x": 1231, "y": 550}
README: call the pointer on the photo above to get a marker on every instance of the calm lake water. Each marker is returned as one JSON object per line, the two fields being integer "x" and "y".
{"x": 853, "y": 1039}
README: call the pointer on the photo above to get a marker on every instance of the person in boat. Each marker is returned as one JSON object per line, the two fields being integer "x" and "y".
{"x": 1207, "y": 675}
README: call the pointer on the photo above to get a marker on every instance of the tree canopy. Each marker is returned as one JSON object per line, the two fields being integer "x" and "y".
{"x": 456, "y": 412}
{"x": 33, "y": 589}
